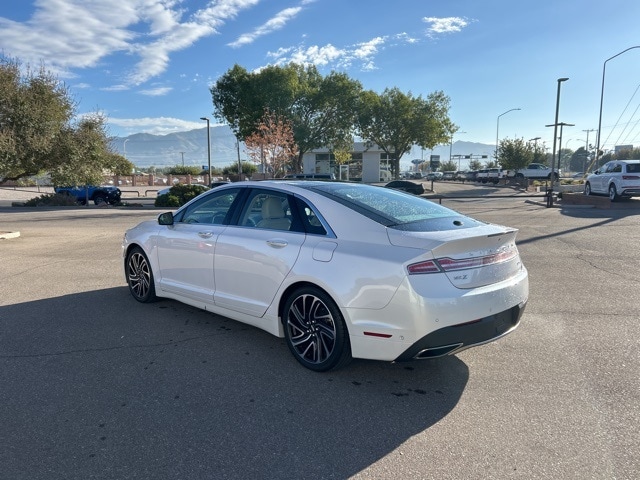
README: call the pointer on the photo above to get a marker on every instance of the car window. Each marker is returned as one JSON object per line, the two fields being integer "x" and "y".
{"x": 311, "y": 221}
{"x": 267, "y": 209}
{"x": 210, "y": 209}
{"x": 617, "y": 168}
{"x": 633, "y": 167}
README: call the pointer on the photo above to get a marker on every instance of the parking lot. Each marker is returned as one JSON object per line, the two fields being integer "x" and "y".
{"x": 96, "y": 385}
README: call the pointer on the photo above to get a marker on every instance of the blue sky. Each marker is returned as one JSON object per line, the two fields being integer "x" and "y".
{"x": 148, "y": 64}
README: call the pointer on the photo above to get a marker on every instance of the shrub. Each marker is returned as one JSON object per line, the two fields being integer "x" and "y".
{"x": 179, "y": 195}
{"x": 51, "y": 200}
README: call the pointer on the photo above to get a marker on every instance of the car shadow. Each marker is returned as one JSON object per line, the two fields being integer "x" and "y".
{"x": 95, "y": 382}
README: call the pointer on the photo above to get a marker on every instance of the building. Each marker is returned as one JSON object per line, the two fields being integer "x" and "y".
{"x": 368, "y": 164}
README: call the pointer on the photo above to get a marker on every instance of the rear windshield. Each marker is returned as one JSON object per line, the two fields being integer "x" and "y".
{"x": 389, "y": 207}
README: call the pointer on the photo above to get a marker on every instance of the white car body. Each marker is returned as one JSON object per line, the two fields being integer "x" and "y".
{"x": 379, "y": 276}
{"x": 618, "y": 178}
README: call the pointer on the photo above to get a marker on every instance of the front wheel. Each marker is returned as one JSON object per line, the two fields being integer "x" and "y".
{"x": 139, "y": 276}
{"x": 315, "y": 330}
{"x": 587, "y": 188}
{"x": 613, "y": 194}
{"x": 99, "y": 199}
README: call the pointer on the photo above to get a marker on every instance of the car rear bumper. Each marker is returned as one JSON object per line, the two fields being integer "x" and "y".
{"x": 454, "y": 339}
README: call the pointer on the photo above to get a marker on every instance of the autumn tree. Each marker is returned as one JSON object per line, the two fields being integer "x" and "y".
{"x": 272, "y": 144}
{"x": 395, "y": 121}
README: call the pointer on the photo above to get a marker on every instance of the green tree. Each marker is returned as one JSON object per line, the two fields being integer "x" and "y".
{"x": 184, "y": 170}
{"x": 448, "y": 166}
{"x": 320, "y": 109}
{"x": 38, "y": 135}
{"x": 83, "y": 152}
{"x": 248, "y": 169}
{"x": 35, "y": 111}
{"x": 515, "y": 154}
{"x": 475, "y": 165}
{"x": 395, "y": 121}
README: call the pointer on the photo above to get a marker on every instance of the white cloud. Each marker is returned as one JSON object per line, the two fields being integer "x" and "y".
{"x": 273, "y": 24}
{"x": 156, "y": 92}
{"x": 444, "y": 25}
{"x": 72, "y": 34}
{"x": 156, "y": 126}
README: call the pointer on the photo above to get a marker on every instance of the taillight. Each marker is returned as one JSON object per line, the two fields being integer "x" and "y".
{"x": 630, "y": 177}
{"x": 447, "y": 264}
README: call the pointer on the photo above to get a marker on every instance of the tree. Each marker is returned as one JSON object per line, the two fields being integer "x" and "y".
{"x": 395, "y": 121}
{"x": 448, "y": 166}
{"x": 35, "y": 110}
{"x": 37, "y": 133}
{"x": 515, "y": 154}
{"x": 475, "y": 165}
{"x": 272, "y": 144}
{"x": 320, "y": 109}
{"x": 83, "y": 152}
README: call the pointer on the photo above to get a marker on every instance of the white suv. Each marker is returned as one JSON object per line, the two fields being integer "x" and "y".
{"x": 618, "y": 178}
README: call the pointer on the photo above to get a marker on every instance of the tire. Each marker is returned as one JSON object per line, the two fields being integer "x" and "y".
{"x": 613, "y": 194}
{"x": 520, "y": 176}
{"x": 315, "y": 330}
{"x": 139, "y": 276}
{"x": 99, "y": 199}
{"x": 587, "y": 188}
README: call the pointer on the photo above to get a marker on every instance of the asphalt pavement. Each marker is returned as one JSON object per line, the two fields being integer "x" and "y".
{"x": 96, "y": 385}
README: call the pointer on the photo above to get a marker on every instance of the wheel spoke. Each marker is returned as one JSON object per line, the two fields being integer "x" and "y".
{"x": 311, "y": 329}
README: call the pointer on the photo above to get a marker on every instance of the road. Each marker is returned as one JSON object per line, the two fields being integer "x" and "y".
{"x": 96, "y": 385}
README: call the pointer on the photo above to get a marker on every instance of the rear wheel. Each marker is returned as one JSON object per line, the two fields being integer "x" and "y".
{"x": 315, "y": 330}
{"x": 613, "y": 194}
{"x": 139, "y": 276}
{"x": 99, "y": 199}
{"x": 587, "y": 188}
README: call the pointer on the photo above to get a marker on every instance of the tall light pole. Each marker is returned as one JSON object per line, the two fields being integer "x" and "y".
{"x": 498, "y": 128}
{"x": 206, "y": 119}
{"x": 604, "y": 66}
{"x": 555, "y": 138}
{"x": 124, "y": 147}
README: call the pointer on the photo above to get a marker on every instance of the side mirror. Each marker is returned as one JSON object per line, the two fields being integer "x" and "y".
{"x": 165, "y": 218}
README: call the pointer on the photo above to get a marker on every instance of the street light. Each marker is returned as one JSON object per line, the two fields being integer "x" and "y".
{"x": 555, "y": 138}
{"x": 497, "y": 129}
{"x": 206, "y": 119}
{"x": 604, "y": 66}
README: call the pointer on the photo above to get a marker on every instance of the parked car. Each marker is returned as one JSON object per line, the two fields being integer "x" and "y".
{"x": 618, "y": 178}
{"x": 494, "y": 175}
{"x": 92, "y": 193}
{"x": 434, "y": 176}
{"x": 534, "y": 171}
{"x": 448, "y": 175}
{"x": 406, "y": 186}
{"x": 340, "y": 270}
{"x": 482, "y": 176}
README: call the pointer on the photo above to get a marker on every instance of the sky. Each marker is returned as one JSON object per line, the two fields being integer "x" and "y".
{"x": 148, "y": 65}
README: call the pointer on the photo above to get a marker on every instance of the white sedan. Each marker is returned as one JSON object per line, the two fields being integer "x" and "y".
{"x": 340, "y": 270}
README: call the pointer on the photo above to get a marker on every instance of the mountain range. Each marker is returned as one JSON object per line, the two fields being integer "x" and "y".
{"x": 190, "y": 148}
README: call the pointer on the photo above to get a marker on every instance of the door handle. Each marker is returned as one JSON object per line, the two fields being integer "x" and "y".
{"x": 205, "y": 234}
{"x": 277, "y": 243}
